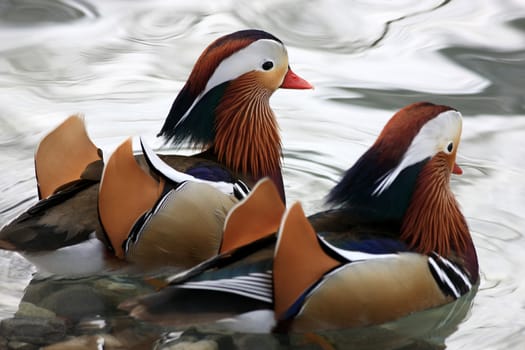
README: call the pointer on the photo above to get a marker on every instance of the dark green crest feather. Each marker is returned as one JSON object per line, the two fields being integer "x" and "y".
{"x": 198, "y": 127}
{"x": 355, "y": 190}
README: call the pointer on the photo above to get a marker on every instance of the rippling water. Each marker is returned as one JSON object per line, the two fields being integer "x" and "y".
{"x": 121, "y": 63}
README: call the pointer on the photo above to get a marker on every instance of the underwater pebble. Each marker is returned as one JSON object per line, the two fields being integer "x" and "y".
{"x": 32, "y": 330}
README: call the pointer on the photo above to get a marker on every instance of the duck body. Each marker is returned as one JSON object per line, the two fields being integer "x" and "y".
{"x": 370, "y": 278}
{"x": 358, "y": 263}
{"x": 73, "y": 243}
{"x": 223, "y": 110}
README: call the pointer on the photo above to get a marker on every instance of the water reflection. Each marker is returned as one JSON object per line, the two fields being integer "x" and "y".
{"x": 29, "y": 13}
{"x": 86, "y": 308}
{"x": 342, "y": 26}
{"x": 503, "y": 96}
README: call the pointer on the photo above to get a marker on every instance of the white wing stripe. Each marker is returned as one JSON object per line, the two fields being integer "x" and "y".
{"x": 227, "y": 287}
{"x": 258, "y": 276}
{"x": 178, "y": 176}
{"x": 256, "y": 286}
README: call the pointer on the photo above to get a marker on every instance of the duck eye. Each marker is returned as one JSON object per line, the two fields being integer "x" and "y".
{"x": 267, "y": 65}
{"x": 450, "y": 147}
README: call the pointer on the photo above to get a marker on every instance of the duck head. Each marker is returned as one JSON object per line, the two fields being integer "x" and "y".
{"x": 224, "y": 105}
{"x": 404, "y": 179}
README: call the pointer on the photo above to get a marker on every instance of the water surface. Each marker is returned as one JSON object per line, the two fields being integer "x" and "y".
{"x": 121, "y": 63}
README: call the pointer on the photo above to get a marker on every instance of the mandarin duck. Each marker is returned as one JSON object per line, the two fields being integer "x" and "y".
{"x": 176, "y": 220}
{"x": 394, "y": 242}
{"x": 223, "y": 109}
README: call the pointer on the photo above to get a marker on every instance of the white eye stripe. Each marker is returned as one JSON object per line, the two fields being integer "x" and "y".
{"x": 429, "y": 141}
{"x": 245, "y": 60}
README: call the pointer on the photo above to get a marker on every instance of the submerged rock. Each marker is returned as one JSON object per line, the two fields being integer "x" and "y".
{"x": 33, "y": 330}
{"x": 26, "y": 309}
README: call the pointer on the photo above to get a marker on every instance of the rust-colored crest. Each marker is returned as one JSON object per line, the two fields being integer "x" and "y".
{"x": 398, "y": 133}
{"x": 217, "y": 51}
{"x": 211, "y": 58}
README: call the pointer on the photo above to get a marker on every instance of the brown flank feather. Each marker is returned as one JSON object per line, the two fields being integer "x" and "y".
{"x": 433, "y": 220}
{"x": 63, "y": 155}
{"x": 247, "y": 136}
{"x": 299, "y": 260}
{"x": 126, "y": 192}
{"x": 257, "y": 216}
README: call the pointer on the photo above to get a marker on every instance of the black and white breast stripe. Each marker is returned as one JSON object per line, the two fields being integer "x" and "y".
{"x": 256, "y": 285}
{"x": 240, "y": 190}
{"x": 451, "y": 279}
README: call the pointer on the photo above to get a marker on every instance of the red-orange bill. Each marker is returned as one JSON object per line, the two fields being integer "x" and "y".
{"x": 457, "y": 170}
{"x": 293, "y": 81}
